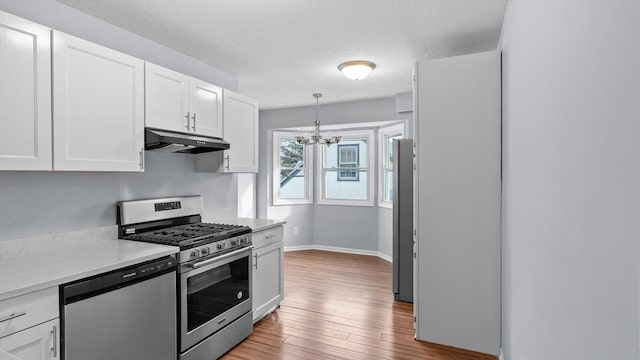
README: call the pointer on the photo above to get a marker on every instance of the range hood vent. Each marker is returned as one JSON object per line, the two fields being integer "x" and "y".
{"x": 178, "y": 142}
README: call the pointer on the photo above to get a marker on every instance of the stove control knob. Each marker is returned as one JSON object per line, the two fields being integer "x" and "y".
{"x": 194, "y": 254}
{"x": 204, "y": 251}
{"x": 234, "y": 242}
{"x": 220, "y": 246}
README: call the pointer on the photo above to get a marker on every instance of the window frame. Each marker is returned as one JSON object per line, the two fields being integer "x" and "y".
{"x": 384, "y": 133}
{"x": 347, "y": 135}
{"x": 278, "y": 136}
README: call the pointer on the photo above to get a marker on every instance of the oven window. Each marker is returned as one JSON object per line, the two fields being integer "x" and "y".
{"x": 215, "y": 291}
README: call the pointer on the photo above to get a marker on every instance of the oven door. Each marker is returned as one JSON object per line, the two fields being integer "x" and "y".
{"x": 213, "y": 293}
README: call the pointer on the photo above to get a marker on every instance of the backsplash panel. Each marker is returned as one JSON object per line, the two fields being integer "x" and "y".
{"x": 37, "y": 203}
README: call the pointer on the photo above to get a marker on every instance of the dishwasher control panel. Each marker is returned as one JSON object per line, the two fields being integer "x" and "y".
{"x": 114, "y": 279}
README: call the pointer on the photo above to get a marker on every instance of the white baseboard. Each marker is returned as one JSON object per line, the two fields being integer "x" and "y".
{"x": 379, "y": 254}
{"x": 298, "y": 248}
{"x": 385, "y": 257}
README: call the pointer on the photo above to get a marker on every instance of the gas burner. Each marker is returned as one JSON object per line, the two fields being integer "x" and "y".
{"x": 177, "y": 222}
{"x": 190, "y": 235}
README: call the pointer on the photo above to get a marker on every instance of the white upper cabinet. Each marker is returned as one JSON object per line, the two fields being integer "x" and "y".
{"x": 25, "y": 95}
{"x": 166, "y": 99}
{"x": 206, "y": 108}
{"x": 98, "y": 98}
{"x": 178, "y": 102}
{"x": 240, "y": 129}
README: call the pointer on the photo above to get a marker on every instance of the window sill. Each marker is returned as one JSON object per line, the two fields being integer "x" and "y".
{"x": 386, "y": 205}
{"x": 346, "y": 203}
{"x": 288, "y": 203}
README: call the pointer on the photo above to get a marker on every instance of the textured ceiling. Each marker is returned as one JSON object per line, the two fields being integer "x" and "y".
{"x": 284, "y": 50}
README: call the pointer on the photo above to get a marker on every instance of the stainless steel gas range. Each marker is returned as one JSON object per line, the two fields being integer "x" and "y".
{"x": 214, "y": 280}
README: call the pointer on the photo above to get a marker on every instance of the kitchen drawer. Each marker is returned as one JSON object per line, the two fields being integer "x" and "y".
{"x": 266, "y": 237}
{"x": 37, "y": 307}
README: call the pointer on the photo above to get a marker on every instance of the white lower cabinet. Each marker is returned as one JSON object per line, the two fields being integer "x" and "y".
{"x": 40, "y": 342}
{"x": 268, "y": 272}
{"x": 29, "y": 325}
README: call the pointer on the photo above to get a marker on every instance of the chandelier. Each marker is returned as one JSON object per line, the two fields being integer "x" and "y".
{"x": 316, "y": 137}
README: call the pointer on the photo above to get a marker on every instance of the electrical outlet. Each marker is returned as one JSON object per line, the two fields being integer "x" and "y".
{"x": 296, "y": 230}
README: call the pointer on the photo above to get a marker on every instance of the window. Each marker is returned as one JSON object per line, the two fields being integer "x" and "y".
{"x": 292, "y": 180}
{"x": 344, "y": 170}
{"x": 348, "y": 157}
{"x": 387, "y": 135}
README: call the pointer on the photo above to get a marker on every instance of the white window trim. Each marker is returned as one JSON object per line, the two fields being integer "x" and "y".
{"x": 322, "y": 153}
{"x": 383, "y": 134}
{"x": 309, "y": 176}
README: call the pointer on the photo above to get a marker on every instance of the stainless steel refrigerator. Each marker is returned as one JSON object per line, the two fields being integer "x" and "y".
{"x": 402, "y": 154}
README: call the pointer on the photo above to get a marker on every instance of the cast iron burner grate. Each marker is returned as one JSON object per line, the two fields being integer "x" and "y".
{"x": 187, "y": 234}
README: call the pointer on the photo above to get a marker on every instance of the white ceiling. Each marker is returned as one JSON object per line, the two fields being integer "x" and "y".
{"x": 284, "y": 50}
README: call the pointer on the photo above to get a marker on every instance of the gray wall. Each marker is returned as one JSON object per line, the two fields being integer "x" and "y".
{"x": 326, "y": 225}
{"x": 385, "y": 231}
{"x": 571, "y": 169}
{"x": 33, "y": 203}
{"x": 351, "y": 227}
{"x": 61, "y": 17}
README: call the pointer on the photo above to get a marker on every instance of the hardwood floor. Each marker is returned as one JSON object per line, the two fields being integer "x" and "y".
{"x": 340, "y": 306}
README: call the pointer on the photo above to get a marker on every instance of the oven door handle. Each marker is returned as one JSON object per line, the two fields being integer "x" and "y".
{"x": 218, "y": 258}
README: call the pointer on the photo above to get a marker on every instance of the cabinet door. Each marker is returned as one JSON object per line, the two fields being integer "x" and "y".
{"x": 25, "y": 95}
{"x": 98, "y": 96}
{"x": 41, "y": 342}
{"x": 166, "y": 99}
{"x": 240, "y": 129}
{"x": 268, "y": 279}
{"x": 205, "y": 104}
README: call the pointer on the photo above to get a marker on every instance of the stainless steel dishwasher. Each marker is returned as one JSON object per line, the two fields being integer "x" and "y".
{"x": 127, "y": 314}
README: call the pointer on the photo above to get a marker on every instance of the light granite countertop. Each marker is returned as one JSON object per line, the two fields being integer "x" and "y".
{"x": 255, "y": 224}
{"x": 35, "y": 263}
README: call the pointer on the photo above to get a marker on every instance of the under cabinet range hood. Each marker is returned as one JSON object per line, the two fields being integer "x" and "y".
{"x": 178, "y": 142}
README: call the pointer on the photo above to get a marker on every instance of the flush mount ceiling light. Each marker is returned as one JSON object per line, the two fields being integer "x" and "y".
{"x": 316, "y": 136}
{"x": 356, "y": 69}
